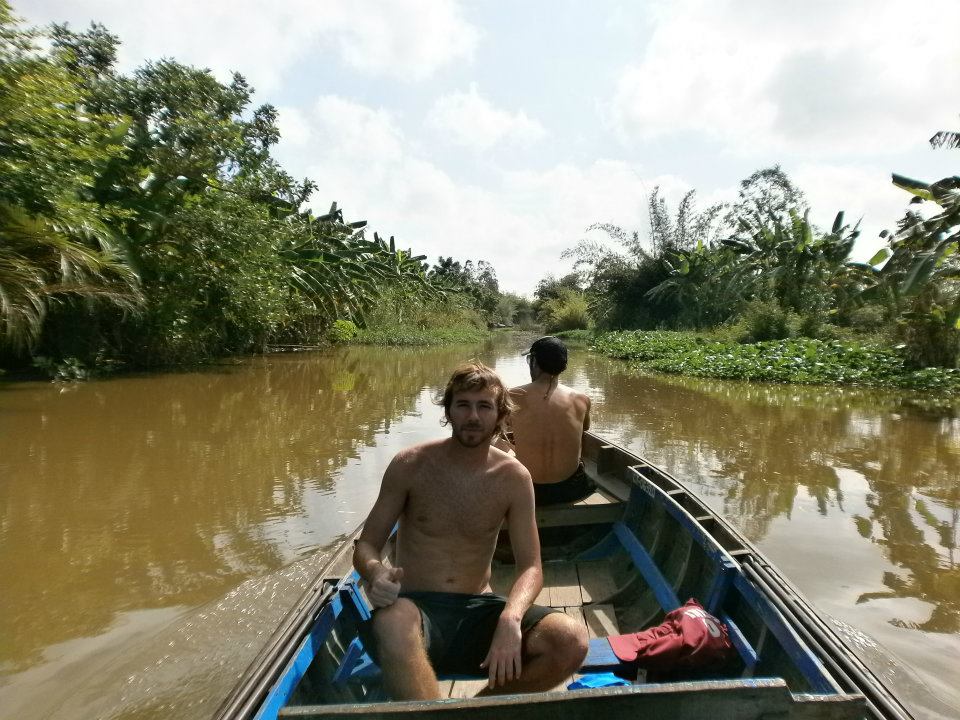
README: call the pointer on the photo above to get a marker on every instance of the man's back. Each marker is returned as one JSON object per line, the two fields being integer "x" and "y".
{"x": 547, "y": 429}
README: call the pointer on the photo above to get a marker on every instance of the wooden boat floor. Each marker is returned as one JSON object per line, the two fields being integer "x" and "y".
{"x": 565, "y": 584}
{"x": 575, "y": 588}
{"x": 595, "y": 499}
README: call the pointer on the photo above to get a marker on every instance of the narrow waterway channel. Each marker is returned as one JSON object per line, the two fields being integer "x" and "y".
{"x": 153, "y": 529}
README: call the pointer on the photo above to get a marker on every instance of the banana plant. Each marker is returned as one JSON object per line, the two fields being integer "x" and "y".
{"x": 703, "y": 282}
{"x": 801, "y": 266}
{"x": 919, "y": 273}
{"x": 344, "y": 274}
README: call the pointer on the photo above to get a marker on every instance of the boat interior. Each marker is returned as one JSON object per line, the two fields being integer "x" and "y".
{"x": 617, "y": 562}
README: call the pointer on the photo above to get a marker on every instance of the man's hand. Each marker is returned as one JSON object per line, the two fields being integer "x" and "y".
{"x": 385, "y": 587}
{"x": 503, "y": 659}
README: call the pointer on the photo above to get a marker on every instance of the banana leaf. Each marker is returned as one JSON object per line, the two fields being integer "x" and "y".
{"x": 914, "y": 187}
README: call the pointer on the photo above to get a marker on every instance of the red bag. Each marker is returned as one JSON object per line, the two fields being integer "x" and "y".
{"x": 688, "y": 638}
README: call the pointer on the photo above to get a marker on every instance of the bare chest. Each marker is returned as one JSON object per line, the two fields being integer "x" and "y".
{"x": 468, "y": 508}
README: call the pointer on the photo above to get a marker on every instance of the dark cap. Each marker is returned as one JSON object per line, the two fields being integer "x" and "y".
{"x": 550, "y": 354}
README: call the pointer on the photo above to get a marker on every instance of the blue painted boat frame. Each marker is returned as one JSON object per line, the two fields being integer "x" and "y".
{"x": 740, "y": 569}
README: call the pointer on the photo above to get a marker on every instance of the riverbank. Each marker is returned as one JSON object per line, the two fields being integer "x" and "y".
{"x": 73, "y": 369}
{"x": 797, "y": 360}
{"x": 413, "y": 336}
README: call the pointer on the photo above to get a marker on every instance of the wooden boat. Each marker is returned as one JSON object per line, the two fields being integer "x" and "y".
{"x": 618, "y": 561}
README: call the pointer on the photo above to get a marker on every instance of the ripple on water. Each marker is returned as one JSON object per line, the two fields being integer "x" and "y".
{"x": 182, "y": 669}
{"x": 211, "y": 647}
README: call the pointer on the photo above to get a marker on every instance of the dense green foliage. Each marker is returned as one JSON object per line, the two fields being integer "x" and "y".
{"x": 144, "y": 221}
{"x": 412, "y": 320}
{"x": 798, "y": 360}
{"x": 560, "y": 304}
{"x": 650, "y": 345}
{"x": 762, "y": 264}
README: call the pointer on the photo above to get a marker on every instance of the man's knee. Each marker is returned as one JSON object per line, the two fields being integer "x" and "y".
{"x": 562, "y": 639}
{"x": 397, "y": 627}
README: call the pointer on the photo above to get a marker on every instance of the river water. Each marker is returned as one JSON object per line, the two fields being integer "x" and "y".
{"x": 153, "y": 529}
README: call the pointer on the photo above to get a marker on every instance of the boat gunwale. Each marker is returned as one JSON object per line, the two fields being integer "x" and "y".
{"x": 589, "y": 695}
{"x": 751, "y": 559}
{"x": 273, "y": 661}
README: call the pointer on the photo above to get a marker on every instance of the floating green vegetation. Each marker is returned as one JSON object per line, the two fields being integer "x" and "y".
{"x": 649, "y": 345}
{"x": 799, "y": 360}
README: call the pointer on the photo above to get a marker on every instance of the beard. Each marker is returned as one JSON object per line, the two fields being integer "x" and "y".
{"x": 478, "y": 435}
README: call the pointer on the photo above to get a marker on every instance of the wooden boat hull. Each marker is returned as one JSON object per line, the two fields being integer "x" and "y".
{"x": 638, "y": 550}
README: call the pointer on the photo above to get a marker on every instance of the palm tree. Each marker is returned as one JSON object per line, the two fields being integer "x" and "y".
{"x": 44, "y": 261}
{"x": 921, "y": 277}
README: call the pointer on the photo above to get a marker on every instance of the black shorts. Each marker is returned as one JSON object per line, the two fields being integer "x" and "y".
{"x": 458, "y": 628}
{"x": 576, "y": 487}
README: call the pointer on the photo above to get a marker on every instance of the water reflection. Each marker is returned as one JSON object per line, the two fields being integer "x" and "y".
{"x": 170, "y": 490}
{"x": 754, "y": 448}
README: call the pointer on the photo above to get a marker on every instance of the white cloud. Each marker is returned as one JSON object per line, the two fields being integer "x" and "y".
{"x": 819, "y": 78}
{"x": 355, "y": 131}
{"x": 409, "y": 41}
{"x": 521, "y": 223}
{"x": 467, "y": 118}
{"x": 863, "y": 193}
{"x": 293, "y": 126}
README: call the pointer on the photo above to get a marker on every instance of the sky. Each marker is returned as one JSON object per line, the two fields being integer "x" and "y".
{"x": 502, "y": 130}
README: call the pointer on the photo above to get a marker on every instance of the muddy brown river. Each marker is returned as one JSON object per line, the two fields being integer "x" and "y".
{"x": 153, "y": 529}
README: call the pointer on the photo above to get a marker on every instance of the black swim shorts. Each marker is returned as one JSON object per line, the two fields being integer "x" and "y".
{"x": 576, "y": 487}
{"x": 458, "y": 628}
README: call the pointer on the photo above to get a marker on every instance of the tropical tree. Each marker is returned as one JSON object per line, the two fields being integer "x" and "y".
{"x": 553, "y": 288}
{"x": 946, "y": 138}
{"x": 567, "y": 311}
{"x": 156, "y": 191}
{"x": 478, "y": 282}
{"x": 621, "y": 281}
{"x": 514, "y": 309}
{"x": 920, "y": 277}
{"x": 343, "y": 274}
{"x": 767, "y": 196}
{"x": 54, "y": 248}
{"x": 703, "y": 286}
{"x": 793, "y": 262}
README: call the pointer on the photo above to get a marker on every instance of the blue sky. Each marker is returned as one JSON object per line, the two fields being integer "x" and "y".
{"x": 501, "y": 130}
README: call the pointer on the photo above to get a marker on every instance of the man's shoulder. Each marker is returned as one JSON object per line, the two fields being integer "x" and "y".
{"x": 507, "y": 466}
{"x": 417, "y": 453}
{"x": 575, "y": 394}
{"x": 519, "y": 391}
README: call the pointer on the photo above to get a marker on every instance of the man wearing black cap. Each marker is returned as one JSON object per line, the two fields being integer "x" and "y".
{"x": 548, "y": 426}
